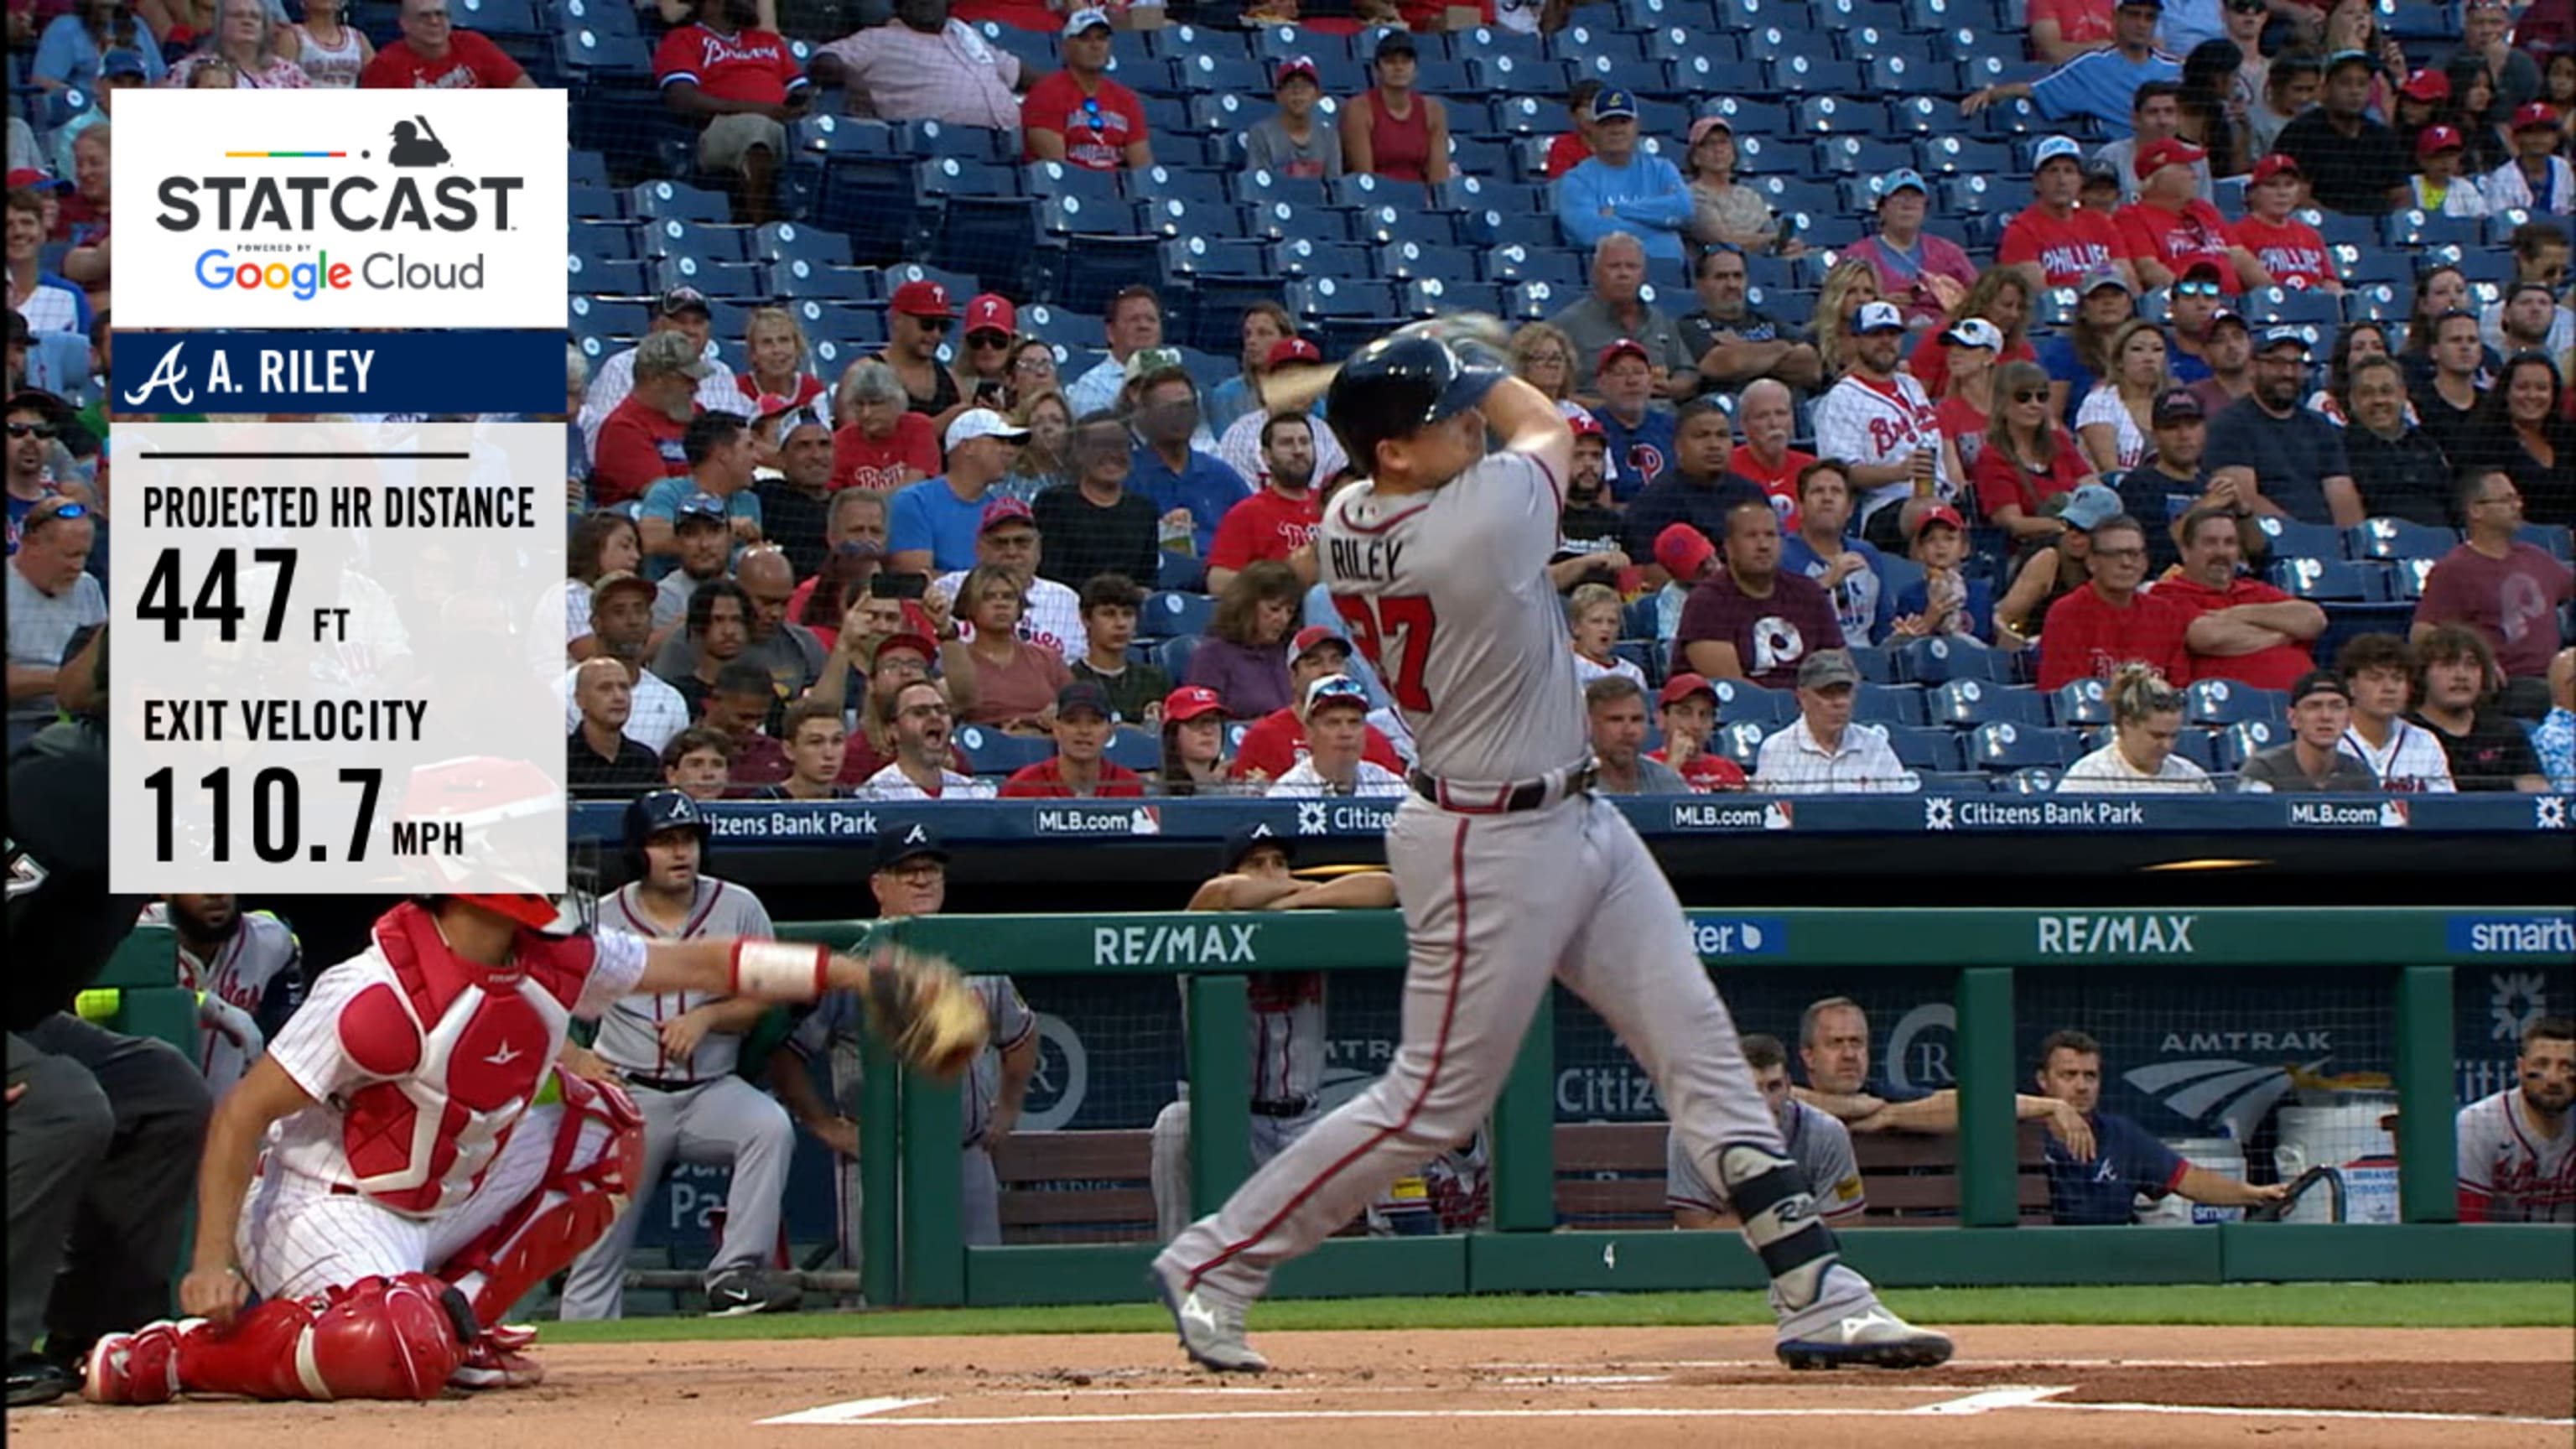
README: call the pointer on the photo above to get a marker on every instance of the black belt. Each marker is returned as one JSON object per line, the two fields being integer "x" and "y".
{"x": 664, "y": 1084}
{"x": 1283, "y": 1106}
{"x": 1527, "y": 795}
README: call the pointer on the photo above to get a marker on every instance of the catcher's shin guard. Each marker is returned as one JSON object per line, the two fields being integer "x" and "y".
{"x": 570, "y": 1207}
{"x": 1769, "y": 1193}
{"x": 377, "y": 1338}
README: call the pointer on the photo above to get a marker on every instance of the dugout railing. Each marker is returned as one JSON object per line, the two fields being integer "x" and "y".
{"x": 2406, "y": 958}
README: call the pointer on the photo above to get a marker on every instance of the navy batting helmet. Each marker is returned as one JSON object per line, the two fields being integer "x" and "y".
{"x": 655, "y": 812}
{"x": 1396, "y": 386}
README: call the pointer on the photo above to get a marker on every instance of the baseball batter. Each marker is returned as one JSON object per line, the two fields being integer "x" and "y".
{"x": 1510, "y": 871}
{"x": 675, "y": 1054}
{"x": 1287, "y": 1016}
{"x": 405, "y": 1163}
{"x": 247, "y": 969}
{"x": 2518, "y": 1147}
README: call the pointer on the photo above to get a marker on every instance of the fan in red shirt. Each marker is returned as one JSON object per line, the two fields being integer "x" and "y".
{"x": 639, "y": 442}
{"x": 884, "y": 445}
{"x": 435, "y": 56}
{"x": 1274, "y": 743}
{"x": 2286, "y": 248}
{"x": 1280, "y": 519}
{"x": 1686, "y": 708}
{"x": 2169, "y": 230}
{"x": 1078, "y": 115}
{"x": 742, "y": 86}
{"x": 2108, "y": 622}
{"x": 2053, "y": 240}
{"x": 1765, "y": 413}
{"x": 2026, "y": 457}
{"x": 2239, "y": 628}
{"x": 1078, "y": 769}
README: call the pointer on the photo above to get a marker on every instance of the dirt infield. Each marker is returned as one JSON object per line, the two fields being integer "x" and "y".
{"x": 2352, "y": 1388}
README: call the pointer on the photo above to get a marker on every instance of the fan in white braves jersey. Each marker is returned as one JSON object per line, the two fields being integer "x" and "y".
{"x": 1438, "y": 561}
{"x": 247, "y": 969}
{"x": 406, "y": 1162}
{"x": 1879, "y": 422}
{"x": 2518, "y": 1147}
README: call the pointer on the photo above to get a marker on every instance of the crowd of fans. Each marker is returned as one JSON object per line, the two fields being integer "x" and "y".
{"x": 2073, "y": 450}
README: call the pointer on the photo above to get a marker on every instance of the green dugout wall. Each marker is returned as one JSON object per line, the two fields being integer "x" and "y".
{"x": 2407, "y": 956}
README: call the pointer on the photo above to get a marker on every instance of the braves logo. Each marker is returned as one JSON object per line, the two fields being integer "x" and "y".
{"x": 1892, "y": 435}
{"x": 715, "y": 50}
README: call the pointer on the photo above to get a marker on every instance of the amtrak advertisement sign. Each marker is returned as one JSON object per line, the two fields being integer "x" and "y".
{"x": 335, "y": 209}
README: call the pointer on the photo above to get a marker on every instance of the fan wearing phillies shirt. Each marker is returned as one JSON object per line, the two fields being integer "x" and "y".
{"x": 2241, "y": 628}
{"x": 1765, "y": 413}
{"x": 1280, "y": 520}
{"x": 1753, "y": 619}
{"x": 1687, "y": 709}
{"x": 741, "y": 86}
{"x": 1078, "y": 115}
{"x": 2053, "y": 241}
{"x": 2110, "y": 621}
{"x": 1078, "y": 768}
{"x": 1881, "y": 424}
{"x": 2287, "y": 249}
{"x": 2169, "y": 230}
{"x": 1640, "y": 433}
{"x": 1274, "y": 743}
{"x": 433, "y": 55}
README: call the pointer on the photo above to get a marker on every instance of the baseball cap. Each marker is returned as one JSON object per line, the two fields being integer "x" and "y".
{"x": 1291, "y": 349}
{"x": 2539, "y": 115}
{"x": 1082, "y": 694}
{"x": 2098, "y": 172}
{"x": 1938, "y": 513}
{"x": 1312, "y": 638}
{"x": 2342, "y": 58}
{"x": 1682, "y": 686}
{"x": 679, "y": 301}
{"x": 2226, "y": 317}
{"x": 121, "y": 62}
{"x": 2319, "y": 681}
{"x": 1682, "y": 551}
{"x": 2177, "y": 405}
{"x": 1293, "y": 67}
{"x": 2276, "y": 164}
{"x": 924, "y": 298}
{"x": 2089, "y": 507}
{"x": 1189, "y": 702}
{"x": 1085, "y": 19}
{"x": 1901, "y": 179}
{"x": 2518, "y": 288}
{"x": 622, "y": 579}
{"x": 2170, "y": 151}
{"x": 2439, "y": 138}
{"x": 2282, "y": 337}
{"x": 1828, "y": 667}
{"x": 2056, "y": 148}
{"x": 1247, "y": 839}
{"x": 984, "y": 423}
{"x": 1705, "y": 124}
{"x": 1974, "y": 332}
{"x": 770, "y": 405}
{"x": 992, "y": 312}
{"x": 1616, "y": 103}
{"x": 908, "y": 841}
{"x": 2427, "y": 84}
{"x": 1878, "y": 317}
{"x": 1004, "y": 510}
{"x": 1585, "y": 425}
{"x": 698, "y": 507}
{"x": 28, "y": 178}
{"x": 1336, "y": 689}
{"x": 1624, "y": 347}
{"x": 918, "y": 643}
{"x": 2100, "y": 277}
{"x": 671, "y": 352}
{"x": 1393, "y": 42}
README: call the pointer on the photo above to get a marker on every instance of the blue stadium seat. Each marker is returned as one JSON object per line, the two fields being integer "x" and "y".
{"x": 1920, "y": 747}
{"x": 1140, "y": 750}
{"x": 599, "y": 54}
{"x": 1167, "y": 615}
{"x": 2553, "y": 539}
{"x": 1939, "y": 660}
{"x": 1434, "y": 295}
{"x": 1184, "y": 572}
{"x": 785, "y": 241}
{"x": 2233, "y": 743}
{"x": 1862, "y": 155}
{"x": 2289, "y": 538}
{"x": 959, "y": 285}
{"x": 2408, "y": 576}
{"x": 1224, "y": 257}
{"x": 612, "y": 241}
{"x": 1737, "y": 700}
{"x": 586, "y": 168}
{"x": 585, "y": 202}
{"x": 1264, "y": 188}
{"x": 606, "y": 16}
{"x": 1890, "y": 704}
{"x": 2214, "y": 702}
{"x": 2036, "y": 780}
{"x": 2377, "y": 302}
{"x": 656, "y": 200}
{"x": 592, "y": 317}
{"x": 1412, "y": 261}
{"x": 718, "y": 280}
{"x": 1528, "y": 116}
{"x": 993, "y": 753}
{"x": 2415, "y": 229}
{"x": 1302, "y": 257}
{"x": 2198, "y": 746}
{"x": 1900, "y": 74}
{"x": 2290, "y": 307}
{"x": 1740, "y": 742}
{"x": 1955, "y": 156}
{"x": 2328, "y": 580}
{"x": 1830, "y": 115}
{"x": 1182, "y": 42}
{"x": 2005, "y": 745}
{"x": 1963, "y": 703}
{"x": 2079, "y": 703}
{"x": 2395, "y": 538}
{"x": 1805, "y": 75}
{"x": 673, "y": 238}
{"x": 1172, "y": 655}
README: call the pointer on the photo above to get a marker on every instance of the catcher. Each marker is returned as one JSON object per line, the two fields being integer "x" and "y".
{"x": 406, "y": 1162}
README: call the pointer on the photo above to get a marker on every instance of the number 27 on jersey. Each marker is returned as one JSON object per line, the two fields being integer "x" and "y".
{"x": 1394, "y": 631}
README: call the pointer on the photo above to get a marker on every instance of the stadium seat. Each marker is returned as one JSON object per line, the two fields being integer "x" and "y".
{"x": 1298, "y": 258}
{"x": 1184, "y": 572}
{"x": 1169, "y": 615}
{"x": 2329, "y": 580}
{"x": 1140, "y": 750}
{"x": 1920, "y": 747}
{"x": 1890, "y": 704}
{"x": 2197, "y": 746}
{"x": 2235, "y": 742}
{"x": 2036, "y": 780}
{"x": 2078, "y": 704}
{"x": 1741, "y": 742}
{"x": 2212, "y": 702}
{"x": 1966, "y": 703}
{"x": 1876, "y": 665}
{"x": 993, "y": 753}
{"x": 2289, "y": 538}
{"x": 1939, "y": 660}
{"x": 1737, "y": 700}
{"x": 2396, "y": 538}
{"x": 1172, "y": 656}
{"x": 2553, "y": 539}
{"x": 2006, "y": 745}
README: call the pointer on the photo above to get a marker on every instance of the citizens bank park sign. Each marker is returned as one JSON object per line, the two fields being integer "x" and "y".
{"x": 340, "y": 208}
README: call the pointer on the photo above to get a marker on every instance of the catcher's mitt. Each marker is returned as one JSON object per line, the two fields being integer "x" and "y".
{"x": 924, "y": 1010}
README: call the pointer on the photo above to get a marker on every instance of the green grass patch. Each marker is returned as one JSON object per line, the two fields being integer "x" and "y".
{"x": 2289, "y": 1305}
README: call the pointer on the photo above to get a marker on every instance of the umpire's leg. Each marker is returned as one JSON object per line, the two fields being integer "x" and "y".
{"x": 59, "y": 1128}
{"x": 127, "y": 1238}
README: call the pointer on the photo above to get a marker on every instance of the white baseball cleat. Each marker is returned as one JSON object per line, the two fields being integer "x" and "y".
{"x": 1211, "y": 1327}
{"x": 1862, "y": 1334}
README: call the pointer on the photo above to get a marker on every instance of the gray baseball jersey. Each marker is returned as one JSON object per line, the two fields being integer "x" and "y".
{"x": 260, "y": 957}
{"x": 630, "y": 1032}
{"x": 836, "y": 1024}
{"x": 1823, "y": 1148}
{"x": 2508, "y": 1175}
{"x": 1447, "y": 594}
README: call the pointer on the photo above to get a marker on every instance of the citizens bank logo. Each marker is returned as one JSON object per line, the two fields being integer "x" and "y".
{"x": 343, "y": 209}
{"x": 1939, "y": 813}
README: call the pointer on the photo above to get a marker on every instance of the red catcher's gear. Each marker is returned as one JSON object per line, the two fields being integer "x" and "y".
{"x": 534, "y": 912}
{"x": 378, "y": 1338}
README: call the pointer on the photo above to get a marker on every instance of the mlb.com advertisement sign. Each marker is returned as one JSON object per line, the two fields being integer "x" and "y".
{"x": 337, "y": 209}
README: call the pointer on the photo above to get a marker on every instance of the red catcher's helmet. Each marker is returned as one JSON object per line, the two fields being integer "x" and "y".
{"x": 532, "y": 911}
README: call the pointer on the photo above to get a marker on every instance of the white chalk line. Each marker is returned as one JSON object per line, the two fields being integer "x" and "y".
{"x": 1764, "y": 1363}
{"x": 2401, "y": 1416}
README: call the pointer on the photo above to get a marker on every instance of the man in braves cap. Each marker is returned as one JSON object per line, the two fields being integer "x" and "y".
{"x": 2354, "y": 162}
{"x": 918, "y": 317}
